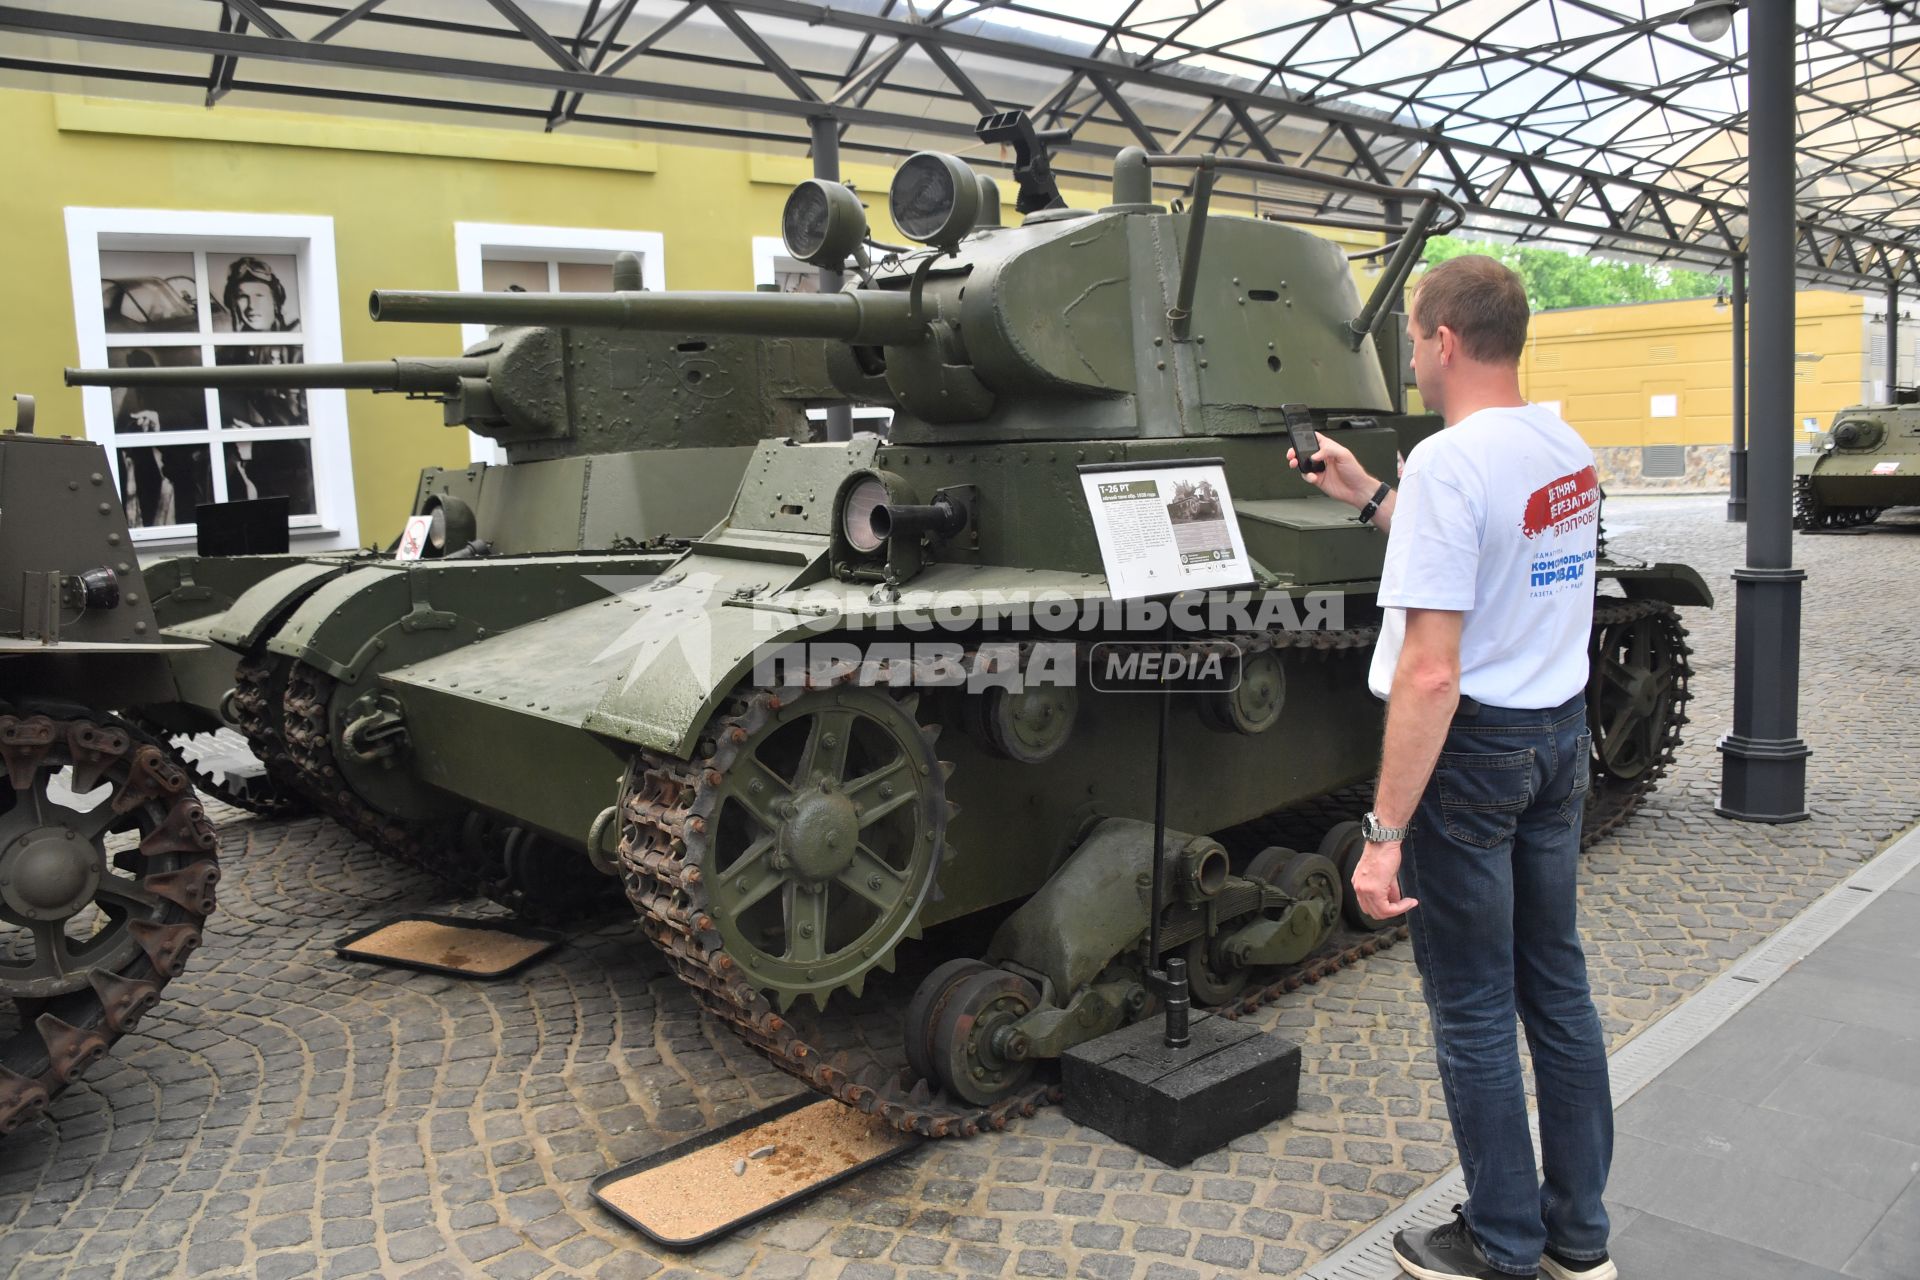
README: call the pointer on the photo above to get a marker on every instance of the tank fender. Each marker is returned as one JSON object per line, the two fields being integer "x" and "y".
{"x": 1091, "y": 909}
{"x": 694, "y": 635}
{"x": 261, "y": 606}
{"x": 341, "y": 626}
{"x": 1674, "y": 584}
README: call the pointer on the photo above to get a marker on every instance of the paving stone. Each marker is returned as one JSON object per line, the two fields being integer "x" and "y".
{"x": 275, "y": 1087}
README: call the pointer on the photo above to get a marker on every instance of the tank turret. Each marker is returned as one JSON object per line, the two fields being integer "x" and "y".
{"x": 1131, "y": 321}
{"x": 550, "y": 392}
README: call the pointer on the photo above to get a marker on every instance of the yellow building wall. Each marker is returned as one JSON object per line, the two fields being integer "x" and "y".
{"x": 1605, "y": 364}
{"x": 394, "y": 190}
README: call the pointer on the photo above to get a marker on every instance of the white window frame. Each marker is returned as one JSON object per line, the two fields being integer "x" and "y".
{"x": 475, "y": 242}
{"x": 767, "y": 251}
{"x": 309, "y": 238}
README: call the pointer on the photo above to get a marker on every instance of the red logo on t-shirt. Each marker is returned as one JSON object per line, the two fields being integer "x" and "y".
{"x": 1561, "y": 503}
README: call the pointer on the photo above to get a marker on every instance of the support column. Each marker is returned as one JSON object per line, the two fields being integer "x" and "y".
{"x": 1737, "y": 456}
{"x": 826, "y": 165}
{"x": 1763, "y": 772}
{"x": 1893, "y": 337}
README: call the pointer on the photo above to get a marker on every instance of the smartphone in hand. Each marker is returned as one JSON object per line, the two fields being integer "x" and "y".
{"x": 1306, "y": 441}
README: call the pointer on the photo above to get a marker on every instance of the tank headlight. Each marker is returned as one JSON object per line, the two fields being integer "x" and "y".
{"x": 865, "y": 496}
{"x": 451, "y": 525}
{"x": 934, "y": 199}
{"x": 823, "y": 223}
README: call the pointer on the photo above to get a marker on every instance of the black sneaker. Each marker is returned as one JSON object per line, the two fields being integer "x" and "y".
{"x": 1448, "y": 1252}
{"x": 1558, "y": 1266}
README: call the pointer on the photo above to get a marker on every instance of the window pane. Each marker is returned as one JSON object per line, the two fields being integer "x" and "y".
{"x": 508, "y": 275}
{"x": 157, "y": 408}
{"x": 161, "y": 486}
{"x": 263, "y": 406}
{"x": 147, "y": 292}
{"x": 270, "y": 468}
{"x": 794, "y": 277}
{"x": 254, "y": 292}
{"x": 586, "y": 277}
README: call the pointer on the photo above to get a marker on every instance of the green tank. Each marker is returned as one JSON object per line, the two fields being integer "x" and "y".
{"x": 617, "y": 443}
{"x": 107, "y": 860}
{"x": 821, "y": 749}
{"x": 1868, "y": 462}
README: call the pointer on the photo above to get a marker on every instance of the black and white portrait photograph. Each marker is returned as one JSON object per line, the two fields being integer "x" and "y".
{"x": 157, "y": 408}
{"x": 261, "y": 406}
{"x": 271, "y": 469}
{"x": 144, "y": 292}
{"x": 164, "y": 484}
{"x": 254, "y": 292}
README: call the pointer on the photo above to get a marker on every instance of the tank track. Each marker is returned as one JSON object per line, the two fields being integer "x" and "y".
{"x": 177, "y": 864}
{"x": 662, "y": 843}
{"x": 1609, "y": 806}
{"x": 1810, "y": 515}
{"x": 260, "y": 718}
{"x": 432, "y": 847}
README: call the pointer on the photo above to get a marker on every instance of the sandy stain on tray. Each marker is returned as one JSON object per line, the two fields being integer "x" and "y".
{"x": 700, "y": 1192}
{"x": 468, "y": 948}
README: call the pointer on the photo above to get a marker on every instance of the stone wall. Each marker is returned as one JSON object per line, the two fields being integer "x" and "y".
{"x": 1619, "y": 470}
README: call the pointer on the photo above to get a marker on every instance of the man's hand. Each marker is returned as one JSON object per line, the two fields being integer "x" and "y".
{"x": 144, "y": 420}
{"x": 1376, "y": 882}
{"x": 1344, "y": 477}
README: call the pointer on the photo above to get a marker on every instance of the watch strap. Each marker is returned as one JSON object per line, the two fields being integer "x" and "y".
{"x": 1372, "y": 508}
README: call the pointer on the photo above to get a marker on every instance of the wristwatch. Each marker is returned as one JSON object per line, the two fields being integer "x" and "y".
{"x": 1376, "y": 834}
{"x": 1372, "y": 508}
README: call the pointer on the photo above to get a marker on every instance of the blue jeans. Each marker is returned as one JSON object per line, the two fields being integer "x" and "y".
{"x": 1493, "y": 858}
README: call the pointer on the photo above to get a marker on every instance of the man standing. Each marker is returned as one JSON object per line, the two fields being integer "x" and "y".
{"x": 1487, "y": 598}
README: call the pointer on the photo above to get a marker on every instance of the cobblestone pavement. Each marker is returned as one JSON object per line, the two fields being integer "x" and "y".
{"x": 285, "y": 1113}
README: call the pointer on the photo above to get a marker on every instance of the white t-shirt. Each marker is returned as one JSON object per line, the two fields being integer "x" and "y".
{"x": 1498, "y": 517}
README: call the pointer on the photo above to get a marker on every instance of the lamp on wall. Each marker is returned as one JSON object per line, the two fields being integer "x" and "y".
{"x": 1839, "y": 8}
{"x": 1720, "y": 298}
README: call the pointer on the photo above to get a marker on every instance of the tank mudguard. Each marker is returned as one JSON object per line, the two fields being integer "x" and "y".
{"x": 1675, "y": 584}
{"x": 337, "y": 626}
{"x": 695, "y": 635}
{"x": 261, "y": 606}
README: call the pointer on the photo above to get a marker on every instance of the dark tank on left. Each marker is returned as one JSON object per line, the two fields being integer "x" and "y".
{"x": 107, "y": 859}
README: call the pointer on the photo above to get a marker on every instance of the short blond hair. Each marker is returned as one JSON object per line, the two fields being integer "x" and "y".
{"x": 1483, "y": 301}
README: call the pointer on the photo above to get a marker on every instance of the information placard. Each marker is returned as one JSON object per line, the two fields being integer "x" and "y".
{"x": 1165, "y": 527}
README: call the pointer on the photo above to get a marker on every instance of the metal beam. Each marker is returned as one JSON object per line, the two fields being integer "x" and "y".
{"x": 260, "y": 18}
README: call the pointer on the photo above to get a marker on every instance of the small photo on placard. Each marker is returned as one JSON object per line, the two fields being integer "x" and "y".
{"x": 1165, "y": 529}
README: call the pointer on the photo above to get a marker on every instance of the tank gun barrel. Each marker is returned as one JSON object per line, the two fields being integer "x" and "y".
{"x": 425, "y": 375}
{"x": 868, "y": 317}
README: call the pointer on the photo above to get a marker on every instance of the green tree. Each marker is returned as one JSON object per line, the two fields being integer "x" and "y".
{"x": 1558, "y": 279}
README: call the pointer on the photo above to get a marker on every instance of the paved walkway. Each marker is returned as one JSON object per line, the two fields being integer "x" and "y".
{"x": 284, "y": 1114}
{"x": 1786, "y": 1145}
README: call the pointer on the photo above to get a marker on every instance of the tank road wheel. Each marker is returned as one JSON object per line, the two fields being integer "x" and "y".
{"x": 1211, "y": 982}
{"x": 824, "y": 839}
{"x": 88, "y": 938}
{"x": 926, "y": 1008}
{"x": 1343, "y": 846}
{"x": 223, "y": 766}
{"x": 977, "y": 1055}
{"x": 1636, "y": 705}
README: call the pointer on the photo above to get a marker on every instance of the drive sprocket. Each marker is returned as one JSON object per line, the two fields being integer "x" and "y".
{"x": 1637, "y": 693}
{"x": 88, "y": 936}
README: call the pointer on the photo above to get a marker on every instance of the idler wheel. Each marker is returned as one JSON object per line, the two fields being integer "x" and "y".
{"x": 977, "y": 1055}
